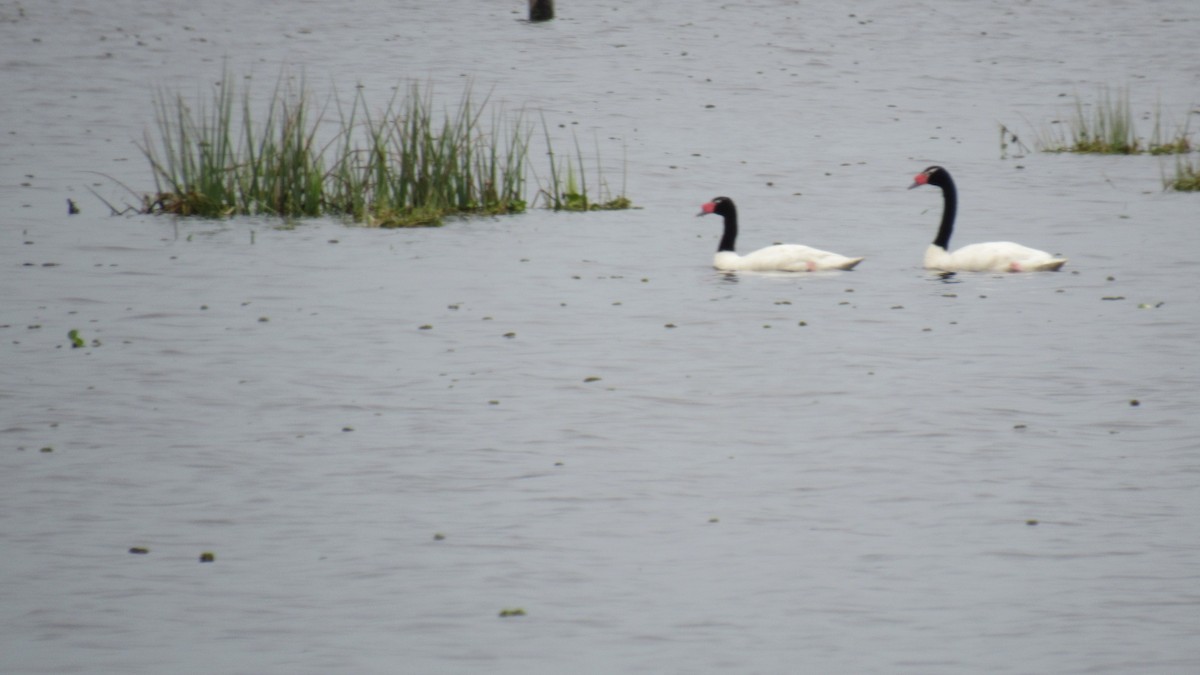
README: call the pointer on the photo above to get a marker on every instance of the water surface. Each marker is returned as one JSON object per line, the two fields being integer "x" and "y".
{"x": 387, "y": 437}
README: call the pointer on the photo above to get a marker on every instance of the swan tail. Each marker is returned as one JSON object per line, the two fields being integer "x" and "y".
{"x": 1052, "y": 265}
{"x": 851, "y": 262}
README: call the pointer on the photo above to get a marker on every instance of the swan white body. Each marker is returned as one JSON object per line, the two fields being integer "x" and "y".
{"x": 783, "y": 258}
{"x": 995, "y": 256}
{"x": 778, "y": 258}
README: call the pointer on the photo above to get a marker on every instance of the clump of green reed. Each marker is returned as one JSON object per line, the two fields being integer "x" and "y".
{"x": 207, "y": 164}
{"x": 568, "y": 184}
{"x": 1110, "y": 129}
{"x": 282, "y": 171}
{"x": 1187, "y": 176}
{"x": 407, "y": 165}
{"x": 1180, "y": 143}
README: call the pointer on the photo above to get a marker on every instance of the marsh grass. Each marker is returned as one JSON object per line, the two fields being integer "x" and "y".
{"x": 207, "y": 163}
{"x": 1110, "y": 129}
{"x": 1187, "y": 176}
{"x": 1179, "y": 143}
{"x": 567, "y": 189}
{"x": 411, "y": 164}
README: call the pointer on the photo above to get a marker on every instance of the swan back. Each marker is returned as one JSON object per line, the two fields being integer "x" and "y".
{"x": 784, "y": 258}
{"x": 994, "y": 256}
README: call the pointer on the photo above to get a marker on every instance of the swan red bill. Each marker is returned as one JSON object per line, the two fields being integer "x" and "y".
{"x": 707, "y": 208}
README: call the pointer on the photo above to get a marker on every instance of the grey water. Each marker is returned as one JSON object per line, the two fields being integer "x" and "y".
{"x": 385, "y": 438}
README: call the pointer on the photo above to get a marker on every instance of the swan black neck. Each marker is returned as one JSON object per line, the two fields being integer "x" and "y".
{"x": 942, "y": 179}
{"x": 725, "y": 207}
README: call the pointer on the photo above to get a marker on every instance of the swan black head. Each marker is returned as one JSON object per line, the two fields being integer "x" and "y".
{"x": 722, "y": 206}
{"x": 934, "y": 175}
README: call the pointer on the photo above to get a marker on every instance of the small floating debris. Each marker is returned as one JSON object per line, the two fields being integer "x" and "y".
{"x": 425, "y": 327}
{"x": 438, "y": 536}
{"x": 1146, "y": 305}
{"x": 1133, "y": 403}
{"x": 1031, "y": 522}
{"x": 347, "y": 429}
{"x": 77, "y": 342}
{"x": 264, "y": 319}
{"x": 1113, "y": 297}
{"x": 669, "y": 325}
{"x": 207, "y": 557}
{"x": 513, "y": 611}
{"x": 510, "y": 335}
{"x": 591, "y": 378}
{"x": 1019, "y": 427}
{"x": 138, "y": 550}
{"x": 47, "y": 449}
{"x": 802, "y": 323}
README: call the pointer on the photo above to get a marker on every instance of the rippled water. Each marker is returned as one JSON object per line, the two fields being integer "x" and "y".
{"x": 388, "y": 437}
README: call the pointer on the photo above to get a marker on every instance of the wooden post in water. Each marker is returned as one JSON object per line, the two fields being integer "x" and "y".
{"x": 541, "y": 10}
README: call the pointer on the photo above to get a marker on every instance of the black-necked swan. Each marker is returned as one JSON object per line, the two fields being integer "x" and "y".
{"x": 994, "y": 256}
{"x": 777, "y": 258}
